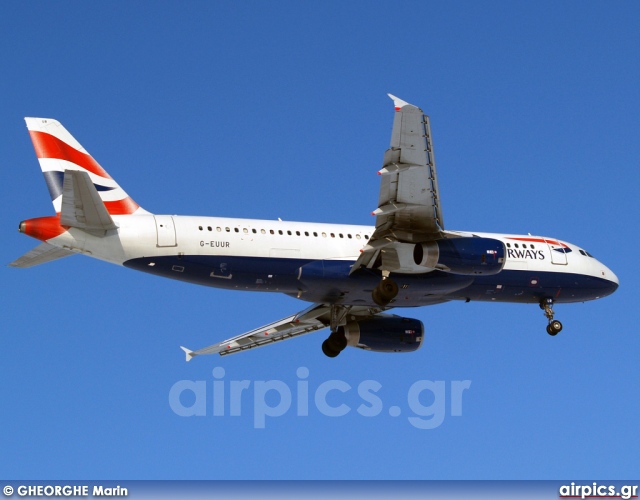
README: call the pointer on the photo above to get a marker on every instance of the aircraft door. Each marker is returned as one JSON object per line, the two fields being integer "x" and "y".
{"x": 166, "y": 231}
{"x": 558, "y": 255}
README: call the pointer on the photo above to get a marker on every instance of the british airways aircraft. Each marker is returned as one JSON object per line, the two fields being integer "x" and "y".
{"x": 352, "y": 275}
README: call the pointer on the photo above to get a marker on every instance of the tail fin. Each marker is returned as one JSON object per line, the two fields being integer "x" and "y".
{"x": 58, "y": 151}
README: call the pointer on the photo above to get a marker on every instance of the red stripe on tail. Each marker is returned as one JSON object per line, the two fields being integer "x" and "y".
{"x": 121, "y": 207}
{"x": 48, "y": 146}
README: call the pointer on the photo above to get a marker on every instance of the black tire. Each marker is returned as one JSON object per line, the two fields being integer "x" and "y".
{"x": 550, "y": 331}
{"x": 388, "y": 289}
{"x": 326, "y": 349}
{"x": 377, "y": 298}
{"x": 337, "y": 340}
{"x": 556, "y": 326}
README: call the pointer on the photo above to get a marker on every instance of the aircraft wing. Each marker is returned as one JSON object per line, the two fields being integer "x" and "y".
{"x": 316, "y": 317}
{"x": 409, "y": 203}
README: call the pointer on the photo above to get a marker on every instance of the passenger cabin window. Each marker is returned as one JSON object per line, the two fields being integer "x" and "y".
{"x": 227, "y": 229}
{"x": 209, "y": 228}
{"x": 280, "y": 231}
{"x": 315, "y": 234}
{"x": 218, "y": 229}
{"x": 245, "y": 230}
{"x": 357, "y": 236}
{"x": 297, "y": 233}
{"x": 324, "y": 235}
{"x": 200, "y": 227}
{"x": 236, "y": 229}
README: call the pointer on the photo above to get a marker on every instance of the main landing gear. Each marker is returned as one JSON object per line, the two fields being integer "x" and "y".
{"x": 554, "y": 327}
{"x": 335, "y": 344}
{"x": 385, "y": 292}
{"x": 337, "y": 341}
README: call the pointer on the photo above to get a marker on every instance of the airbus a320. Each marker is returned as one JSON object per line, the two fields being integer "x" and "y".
{"x": 352, "y": 275}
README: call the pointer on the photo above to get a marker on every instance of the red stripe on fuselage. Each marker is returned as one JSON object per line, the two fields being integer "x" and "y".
{"x": 540, "y": 240}
{"x": 48, "y": 146}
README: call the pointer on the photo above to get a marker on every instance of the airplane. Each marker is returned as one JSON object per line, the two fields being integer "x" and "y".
{"x": 351, "y": 274}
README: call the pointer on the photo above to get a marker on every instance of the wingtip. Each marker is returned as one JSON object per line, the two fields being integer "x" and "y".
{"x": 397, "y": 102}
{"x": 189, "y": 353}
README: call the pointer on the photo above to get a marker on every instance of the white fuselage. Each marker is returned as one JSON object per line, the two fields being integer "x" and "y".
{"x": 264, "y": 255}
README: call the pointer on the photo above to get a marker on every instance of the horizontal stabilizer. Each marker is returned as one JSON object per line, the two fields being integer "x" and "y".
{"x": 82, "y": 206}
{"x": 39, "y": 255}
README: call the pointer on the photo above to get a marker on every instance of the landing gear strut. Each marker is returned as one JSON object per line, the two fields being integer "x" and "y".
{"x": 385, "y": 292}
{"x": 554, "y": 327}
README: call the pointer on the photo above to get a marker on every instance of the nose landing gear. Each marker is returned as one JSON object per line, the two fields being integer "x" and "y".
{"x": 554, "y": 327}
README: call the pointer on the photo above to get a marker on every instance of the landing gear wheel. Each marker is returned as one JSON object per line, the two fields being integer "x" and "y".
{"x": 554, "y": 328}
{"x": 377, "y": 298}
{"x": 385, "y": 292}
{"x": 328, "y": 351}
{"x": 388, "y": 289}
{"x": 338, "y": 340}
{"x": 335, "y": 344}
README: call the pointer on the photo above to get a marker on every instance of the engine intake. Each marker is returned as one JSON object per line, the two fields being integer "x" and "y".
{"x": 466, "y": 256}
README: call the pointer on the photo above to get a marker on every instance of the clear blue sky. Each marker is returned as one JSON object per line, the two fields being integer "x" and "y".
{"x": 279, "y": 109}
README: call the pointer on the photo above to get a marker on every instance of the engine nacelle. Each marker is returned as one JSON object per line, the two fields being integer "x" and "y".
{"x": 385, "y": 334}
{"x": 466, "y": 256}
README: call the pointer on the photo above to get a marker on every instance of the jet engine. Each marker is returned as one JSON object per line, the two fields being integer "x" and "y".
{"x": 380, "y": 334}
{"x": 466, "y": 256}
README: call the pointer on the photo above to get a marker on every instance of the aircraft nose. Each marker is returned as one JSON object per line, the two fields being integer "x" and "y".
{"x": 611, "y": 277}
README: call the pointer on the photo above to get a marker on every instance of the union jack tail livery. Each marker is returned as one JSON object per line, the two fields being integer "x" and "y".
{"x": 58, "y": 151}
{"x": 84, "y": 196}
